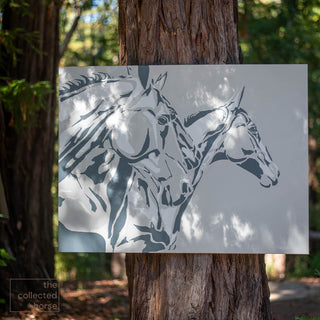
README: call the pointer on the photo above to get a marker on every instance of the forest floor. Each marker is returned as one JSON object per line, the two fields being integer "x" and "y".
{"x": 298, "y": 299}
{"x": 108, "y": 299}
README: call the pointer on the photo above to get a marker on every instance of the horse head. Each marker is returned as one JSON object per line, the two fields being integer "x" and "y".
{"x": 243, "y": 146}
{"x": 147, "y": 132}
{"x": 126, "y": 144}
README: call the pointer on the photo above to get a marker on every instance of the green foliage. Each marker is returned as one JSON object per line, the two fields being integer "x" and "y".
{"x": 22, "y": 5}
{"x": 305, "y": 266}
{"x": 315, "y": 264}
{"x": 8, "y": 37}
{"x": 82, "y": 266}
{"x": 315, "y": 216}
{"x": 95, "y": 41}
{"x": 300, "y": 267}
{"x": 307, "y": 318}
{"x": 76, "y": 4}
{"x": 23, "y": 99}
{"x": 4, "y": 255}
{"x": 8, "y": 40}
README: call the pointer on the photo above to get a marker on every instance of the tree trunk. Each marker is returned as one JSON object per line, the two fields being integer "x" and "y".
{"x": 27, "y": 156}
{"x": 118, "y": 266}
{"x": 189, "y": 286}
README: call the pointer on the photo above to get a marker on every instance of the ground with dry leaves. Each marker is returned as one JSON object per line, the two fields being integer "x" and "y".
{"x": 108, "y": 299}
{"x": 85, "y": 300}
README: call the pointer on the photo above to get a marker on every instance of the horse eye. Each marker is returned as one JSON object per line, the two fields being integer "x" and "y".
{"x": 163, "y": 120}
{"x": 254, "y": 131}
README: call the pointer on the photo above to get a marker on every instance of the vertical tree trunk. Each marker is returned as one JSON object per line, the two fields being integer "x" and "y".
{"x": 27, "y": 156}
{"x": 189, "y": 286}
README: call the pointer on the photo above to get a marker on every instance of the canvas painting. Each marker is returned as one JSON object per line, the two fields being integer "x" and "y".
{"x": 183, "y": 158}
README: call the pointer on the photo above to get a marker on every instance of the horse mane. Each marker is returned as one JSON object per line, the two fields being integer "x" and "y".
{"x": 77, "y": 84}
{"x": 87, "y": 148}
{"x": 94, "y": 135}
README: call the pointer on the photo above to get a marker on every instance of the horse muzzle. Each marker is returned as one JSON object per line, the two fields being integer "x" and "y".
{"x": 270, "y": 178}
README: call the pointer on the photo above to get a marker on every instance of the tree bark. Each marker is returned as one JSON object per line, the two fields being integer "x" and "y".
{"x": 63, "y": 47}
{"x": 189, "y": 286}
{"x": 27, "y": 156}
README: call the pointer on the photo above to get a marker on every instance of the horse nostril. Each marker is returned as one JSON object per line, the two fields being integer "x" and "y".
{"x": 184, "y": 187}
{"x": 278, "y": 173}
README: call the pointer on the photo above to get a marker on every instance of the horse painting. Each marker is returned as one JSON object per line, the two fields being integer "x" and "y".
{"x": 129, "y": 165}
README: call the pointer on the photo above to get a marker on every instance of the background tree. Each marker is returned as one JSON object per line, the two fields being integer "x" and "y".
{"x": 29, "y": 56}
{"x": 189, "y": 286}
{"x": 89, "y": 32}
{"x": 88, "y": 36}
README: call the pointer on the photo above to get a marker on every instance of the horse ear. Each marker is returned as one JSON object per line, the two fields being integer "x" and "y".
{"x": 160, "y": 82}
{"x": 129, "y": 70}
{"x": 235, "y": 101}
{"x": 143, "y": 72}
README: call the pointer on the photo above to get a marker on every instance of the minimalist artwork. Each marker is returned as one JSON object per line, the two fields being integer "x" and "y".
{"x": 141, "y": 150}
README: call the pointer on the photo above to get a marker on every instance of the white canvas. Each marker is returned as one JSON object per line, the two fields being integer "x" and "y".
{"x": 188, "y": 158}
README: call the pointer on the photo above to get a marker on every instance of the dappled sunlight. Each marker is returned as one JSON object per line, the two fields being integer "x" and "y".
{"x": 96, "y": 299}
{"x": 301, "y": 115}
{"x": 191, "y": 223}
{"x": 232, "y": 139}
{"x": 209, "y": 123}
{"x": 212, "y": 95}
{"x": 78, "y": 215}
{"x": 93, "y": 100}
{"x": 225, "y": 235}
{"x": 236, "y": 232}
{"x": 117, "y": 121}
{"x": 225, "y": 86}
{"x": 137, "y": 201}
{"x": 243, "y": 230}
{"x": 297, "y": 235}
{"x": 217, "y": 218}
{"x": 146, "y": 163}
{"x": 205, "y": 99}
{"x": 268, "y": 239}
{"x": 64, "y": 75}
